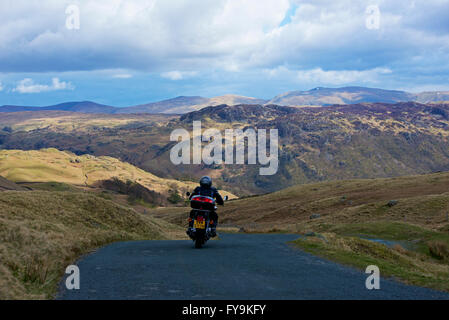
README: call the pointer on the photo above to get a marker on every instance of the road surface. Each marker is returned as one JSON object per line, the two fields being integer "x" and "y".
{"x": 239, "y": 266}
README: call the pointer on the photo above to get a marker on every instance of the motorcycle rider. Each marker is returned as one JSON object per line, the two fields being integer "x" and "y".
{"x": 206, "y": 189}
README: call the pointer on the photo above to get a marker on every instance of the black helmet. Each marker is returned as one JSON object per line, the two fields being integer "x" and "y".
{"x": 206, "y": 182}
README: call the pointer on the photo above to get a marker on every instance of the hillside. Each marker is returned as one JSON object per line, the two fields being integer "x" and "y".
{"x": 9, "y": 185}
{"x": 65, "y": 121}
{"x": 54, "y": 170}
{"x": 422, "y": 200}
{"x": 86, "y": 170}
{"x": 41, "y": 233}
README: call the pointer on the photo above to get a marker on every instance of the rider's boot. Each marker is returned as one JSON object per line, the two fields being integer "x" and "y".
{"x": 189, "y": 229}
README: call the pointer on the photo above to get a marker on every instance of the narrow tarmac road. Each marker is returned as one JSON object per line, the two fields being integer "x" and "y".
{"x": 239, "y": 266}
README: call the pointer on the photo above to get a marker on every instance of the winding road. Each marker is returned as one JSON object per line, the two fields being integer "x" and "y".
{"x": 239, "y": 266}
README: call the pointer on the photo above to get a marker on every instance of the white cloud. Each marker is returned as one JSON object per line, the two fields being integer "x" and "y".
{"x": 1, "y": 87}
{"x": 133, "y": 34}
{"x": 27, "y": 85}
{"x": 122, "y": 76}
{"x": 339, "y": 77}
{"x": 326, "y": 38}
{"x": 318, "y": 76}
{"x": 178, "y": 75}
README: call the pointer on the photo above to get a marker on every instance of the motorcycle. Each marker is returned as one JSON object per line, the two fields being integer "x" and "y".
{"x": 201, "y": 230}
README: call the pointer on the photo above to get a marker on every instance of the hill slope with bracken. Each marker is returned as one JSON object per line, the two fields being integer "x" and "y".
{"x": 51, "y": 165}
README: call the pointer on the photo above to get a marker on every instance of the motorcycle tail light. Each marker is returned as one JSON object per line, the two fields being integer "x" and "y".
{"x": 204, "y": 199}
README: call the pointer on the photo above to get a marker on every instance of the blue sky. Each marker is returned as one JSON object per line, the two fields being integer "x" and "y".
{"x": 136, "y": 51}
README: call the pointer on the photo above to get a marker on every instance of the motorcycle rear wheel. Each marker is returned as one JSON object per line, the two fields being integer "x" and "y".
{"x": 198, "y": 243}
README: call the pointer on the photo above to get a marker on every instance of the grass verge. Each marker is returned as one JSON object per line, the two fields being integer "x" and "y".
{"x": 425, "y": 264}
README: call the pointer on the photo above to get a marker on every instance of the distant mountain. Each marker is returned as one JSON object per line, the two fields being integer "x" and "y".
{"x": 187, "y": 104}
{"x": 232, "y": 100}
{"x": 165, "y": 106}
{"x": 83, "y": 106}
{"x": 178, "y": 105}
{"x": 346, "y": 95}
{"x": 316, "y": 97}
{"x": 433, "y": 96}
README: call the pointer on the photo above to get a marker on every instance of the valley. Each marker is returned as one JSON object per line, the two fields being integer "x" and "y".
{"x": 315, "y": 144}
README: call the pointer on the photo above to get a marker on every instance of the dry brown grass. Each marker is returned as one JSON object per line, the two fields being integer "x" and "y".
{"x": 408, "y": 266}
{"x": 43, "y": 232}
{"x": 47, "y": 165}
{"x": 422, "y": 200}
{"x": 59, "y": 166}
{"x": 439, "y": 249}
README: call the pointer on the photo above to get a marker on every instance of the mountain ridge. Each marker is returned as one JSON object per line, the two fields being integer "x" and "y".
{"x": 319, "y": 96}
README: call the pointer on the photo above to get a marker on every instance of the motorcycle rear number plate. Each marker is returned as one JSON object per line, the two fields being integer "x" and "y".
{"x": 200, "y": 224}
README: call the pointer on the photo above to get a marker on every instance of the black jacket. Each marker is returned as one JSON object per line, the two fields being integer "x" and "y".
{"x": 208, "y": 192}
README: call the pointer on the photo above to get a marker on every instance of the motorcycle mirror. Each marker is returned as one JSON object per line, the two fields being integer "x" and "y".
{"x": 188, "y": 194}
